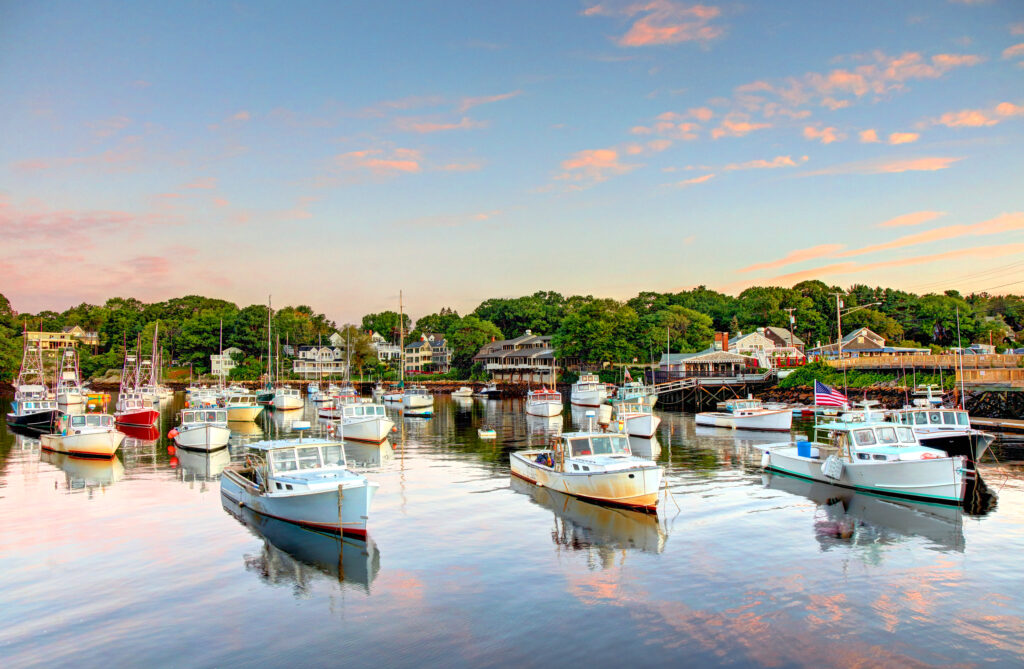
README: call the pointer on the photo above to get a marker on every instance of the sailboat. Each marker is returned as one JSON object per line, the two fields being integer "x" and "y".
{"x": 285, "y": 398}
{"x": 32, "y": 406}
{"x": 266, "y": 395}
{"x": 544, "y": 402}
{"x": 395, "y": 395}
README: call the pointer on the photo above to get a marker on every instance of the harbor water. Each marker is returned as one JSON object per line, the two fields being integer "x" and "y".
{"x": 139, "y": 562}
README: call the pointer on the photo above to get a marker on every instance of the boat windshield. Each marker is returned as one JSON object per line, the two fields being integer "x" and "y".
{"x": 610, "y": 445}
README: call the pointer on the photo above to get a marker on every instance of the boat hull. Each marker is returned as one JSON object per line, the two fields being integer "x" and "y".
{"x": 244, "y": 413}
{"x": 589, "y": 398}
{"x": 395, "y": 398}
{"x": 938, "y": 480}
{"x": 137, "y": 418}
{"x": 316, "y": 510}
{"x": 417, "y": 401}
{"x": 544, "y": 409}
{"x": 642, "y": 425}
{"x": 89, "y": 445}
{"x": 371, "y": 430}
{"x": 968, "y": 443}
{"x": 203, "y": 438}
{"x": 69, "y": 399}
{"x": 40, "y": 419}
{"x": 781, "y": 421}
{"x": 635, "y": 488}
{"x": 287, "y": 402}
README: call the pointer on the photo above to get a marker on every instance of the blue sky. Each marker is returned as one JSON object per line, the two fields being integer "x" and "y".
{"x": 333, "y": 153}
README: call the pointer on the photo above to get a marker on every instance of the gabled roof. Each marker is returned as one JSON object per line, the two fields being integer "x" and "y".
{"x": 707, "y": 355}
{"x": 784, "y": 334}
{"x": 865, "y": 332}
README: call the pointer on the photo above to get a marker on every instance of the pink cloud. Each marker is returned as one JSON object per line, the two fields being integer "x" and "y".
{"x": 824, "y": 135}
{"x": 241, "y": 116}
{"x": 800, "y": 255}
{"x": 903, "y": 137}
{"x": 38, "y": 224}
{"x": 421, "y": 126}
{"x": 220, "y": 202}
{"x": 203, "y": 183}
{"x": 460, "y": 167}
{"x": 1014, "y": 51}
{"x": 736, "y": 126}
{"x": 695, "y": 180}
{"x": 640, "y": 130}
{"x": 663, "y": 22}
{"x": 778, "y": 161}
{"x": 108, "y": 127}
{"x": 978, "y": 118}
{"x": 702, "y": 114}
{"x": 376, "y": 161}
{"x": 469, "y": 103}
{"x": 1017, "y": 29}
{"x": 594, "y": 165}
{"x": 869, "y": 136}
{"x": 915, "y": 218}
{"x": 887, "y": 166}
{"x": 125, "y": 157}
{"x": 1004, "y": 223}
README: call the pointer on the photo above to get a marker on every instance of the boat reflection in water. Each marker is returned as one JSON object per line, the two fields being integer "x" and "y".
{"x": 544, "y": 425}
{"x": 292, "y": 555}
{"x": 645, "y": 448}
{"x": 359, "y": 454}
{"x": 582, "y": 526}
{"x": 845, "y": 517}
{"x": 246, "y": 428}
{"x": 85, "y": 474}
{"x": 202, "y": 465}
{"x": 141, "y": 434}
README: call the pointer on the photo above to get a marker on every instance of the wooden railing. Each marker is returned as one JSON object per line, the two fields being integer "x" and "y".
{"x": 944, "y": 361}
{"x": 1005, "y": 377}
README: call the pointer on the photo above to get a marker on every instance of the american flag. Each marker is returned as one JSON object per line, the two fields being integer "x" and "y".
{"x": 827, "y": 397}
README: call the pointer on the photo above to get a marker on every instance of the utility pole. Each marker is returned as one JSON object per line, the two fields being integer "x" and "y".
{"x": 839, "y": 324}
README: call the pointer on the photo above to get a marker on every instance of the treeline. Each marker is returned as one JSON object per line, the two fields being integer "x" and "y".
{"x": 591, "y": 329}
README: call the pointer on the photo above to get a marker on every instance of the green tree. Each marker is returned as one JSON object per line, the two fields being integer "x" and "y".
{"x": 601, "y": 330}
{"x": 385, "y": 324}
{"x": 465, "y": 339}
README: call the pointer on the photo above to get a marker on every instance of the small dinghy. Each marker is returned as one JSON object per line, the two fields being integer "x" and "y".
{"x": 487, "y": 433}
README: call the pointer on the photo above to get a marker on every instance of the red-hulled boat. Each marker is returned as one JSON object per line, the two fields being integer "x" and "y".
{"x": 134, "y": 409}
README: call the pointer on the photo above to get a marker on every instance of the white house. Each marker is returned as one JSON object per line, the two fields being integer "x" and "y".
{"x": 386, "y": 351}
{"x": 221, "y": 363}
{"x": 314, "y": 361}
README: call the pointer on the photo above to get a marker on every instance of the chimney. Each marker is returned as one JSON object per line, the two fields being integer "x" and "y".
{"x": 721, "y": 341}
{"x": 529, "y": 333}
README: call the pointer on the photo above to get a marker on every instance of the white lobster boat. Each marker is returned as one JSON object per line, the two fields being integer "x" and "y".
{"x": 286, "y": 398}
{"x": 544, "y": 403}
{"x": 594, "y": 466}
{"x": 634, "y": 391}
{"x": 361, "y": 421}
{"x": 242, "y": 407}
{"x": 636, "y": 418}
{"x": 874, "y": 456}
{"x": 306, "y": 482}
{"x": 91, "y": 435}
{"x": 202, "y": 430}
{"x": 747, "y": 414}
{"x": 588, "y": 391}
{"x": 464, "y": 391}
{"x": 69, "y": 384}
{"x": 418, "y": 400}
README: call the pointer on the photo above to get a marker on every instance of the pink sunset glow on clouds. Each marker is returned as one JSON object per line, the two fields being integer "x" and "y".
{"x": 378, "y": 162}
{"x": 422, "y": 126}
{"x": 776, "y": 162}
{"x": 593, "y": 165}
{"x": 903, "y": 137}
{"x": 888, "y": 166}
{"x": 978, "y": 118}
{"x": 915, "y": 218}
{"x": 1001, "y": 224}
{"x": 736, "y": 126}
{"x": 205, "y": 183}
{"x": 823, "y": 135}
{"x": 468, "y": 103}
{"x": 695, "y": 180}
{"x": 800, "y": 255}
{"x": 663, "y": 22}
{"x": 869, "y": 136}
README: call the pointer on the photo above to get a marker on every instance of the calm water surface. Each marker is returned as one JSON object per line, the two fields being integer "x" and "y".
{"x": 137, "y": 562}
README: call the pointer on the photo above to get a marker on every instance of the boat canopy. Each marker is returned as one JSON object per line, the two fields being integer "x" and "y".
{"x": 933, "y": 417}
{"x": 596, "y": 444}
{"x": 92, "y": 420}
{"x": 204, "y": 416}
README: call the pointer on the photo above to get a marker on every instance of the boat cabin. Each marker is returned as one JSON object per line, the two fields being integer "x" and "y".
{"x": 869, "y": 442}
{"x": 740, "y": 406}
{"x": 632, "y": 408}
{"x": 294, "y": 465}
{"x": 948, "y": 419}
{"x": 363, "y": 410}
{"x": 417, "y": 390}
{"x": 240, "y": 400}
{"x": 288, "y": 392}
{"x": 32, "y": 392}
{"x": 588, "y": 381}
{"x": 633, "y": 390}
{"x": 584, "y": 444}
{"x": 544, "y": 395}
{"x": 203, "y": 416}
{"x": 91, "y": 421}
{"x": 35, "y": 406}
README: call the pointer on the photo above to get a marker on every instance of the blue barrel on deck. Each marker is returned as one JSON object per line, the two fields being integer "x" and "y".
{"x": 803, "y": 449}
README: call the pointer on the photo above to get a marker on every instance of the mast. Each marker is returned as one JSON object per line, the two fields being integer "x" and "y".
{"x": 270, "y": 351}
{"x": 221, "y": 354}
{"x": 960, "y": 346}
{"x": 401, "y": 341}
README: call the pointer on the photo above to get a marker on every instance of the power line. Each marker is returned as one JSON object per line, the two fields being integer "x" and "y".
{"x": 965, "y": 277}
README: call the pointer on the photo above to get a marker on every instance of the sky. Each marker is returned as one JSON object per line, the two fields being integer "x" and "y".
{"x": 333, "y": 154}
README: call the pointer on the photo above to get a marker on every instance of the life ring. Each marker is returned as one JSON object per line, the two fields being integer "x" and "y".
{"x": 930, "y": 456}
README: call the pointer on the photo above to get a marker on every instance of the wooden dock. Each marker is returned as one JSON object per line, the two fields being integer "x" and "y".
{"x": 998, "y": 424}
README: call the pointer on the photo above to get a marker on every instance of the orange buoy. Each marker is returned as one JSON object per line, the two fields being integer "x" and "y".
{"x": 173, "y": 433}
{"x": 174, "y": 463}
{"x": 170, "y": 449}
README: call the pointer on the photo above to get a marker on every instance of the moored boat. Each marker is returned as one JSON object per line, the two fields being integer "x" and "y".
{"x": 544, "y": 402}
{"x": 242, "y": 406}
{"x": 202, "y": 430}
{"x": 361, "y": 421}
{"x": 588, "y": 391}
{"x": 286, "y": 398}
{"x": 133, "y": 409}
{"x": 747, "y": 414}
{"x": 948, "y": 430}
{"x": 417, "y": 397}
{"x": 302, "y": 481}
{"x": 636, "y": 418}
{"x": 32, "y": 406}
{"x": 595, "y": 466}
{"x": 69, "y": 382}
{"x": 84, "y": 435}
{"x": 464, "y": 391}
{"x": 874, "y": 456}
